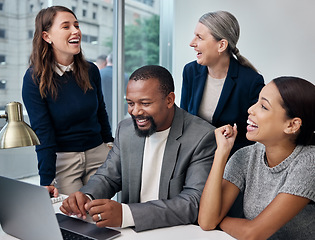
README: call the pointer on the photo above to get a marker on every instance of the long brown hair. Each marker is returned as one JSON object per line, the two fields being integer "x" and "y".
{"x": 42, "y": 59}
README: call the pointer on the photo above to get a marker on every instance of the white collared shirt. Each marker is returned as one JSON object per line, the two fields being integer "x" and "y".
{"x": 61, "y": 69}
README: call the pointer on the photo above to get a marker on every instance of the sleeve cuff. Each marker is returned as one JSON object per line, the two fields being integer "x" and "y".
{"x": 110, "y": 145}
{"x": 89, "y": 196}
{"x": 53, "y": 182}
{"x": 127, "y": 218}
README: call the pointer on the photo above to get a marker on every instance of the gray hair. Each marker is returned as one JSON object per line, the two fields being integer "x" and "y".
{"x": 110, "y": 58}
{"x": 223, "y": 25}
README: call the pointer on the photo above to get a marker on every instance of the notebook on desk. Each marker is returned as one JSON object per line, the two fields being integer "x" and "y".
{"x": 26, "y": 212}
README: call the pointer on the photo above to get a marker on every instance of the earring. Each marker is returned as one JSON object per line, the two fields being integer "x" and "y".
{"x": 49, "y": 42}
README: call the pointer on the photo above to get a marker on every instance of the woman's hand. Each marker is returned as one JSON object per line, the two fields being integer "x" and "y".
{"x": 225, "y": 138}
{"x": 53, "y": 191}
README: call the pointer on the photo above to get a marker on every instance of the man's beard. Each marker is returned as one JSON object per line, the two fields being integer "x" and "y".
{"x": 147, "y": 132}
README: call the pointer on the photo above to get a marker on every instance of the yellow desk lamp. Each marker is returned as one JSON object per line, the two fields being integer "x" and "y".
{"x": 16, "y": 133}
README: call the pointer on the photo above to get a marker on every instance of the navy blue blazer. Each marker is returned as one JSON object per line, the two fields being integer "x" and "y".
{"x": 240, "y": 91}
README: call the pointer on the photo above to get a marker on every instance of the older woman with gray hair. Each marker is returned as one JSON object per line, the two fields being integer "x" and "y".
{"x": 221, "y": 84}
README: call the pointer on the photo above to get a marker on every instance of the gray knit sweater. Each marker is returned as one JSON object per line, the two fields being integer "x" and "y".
{"x": 248, "y": 170}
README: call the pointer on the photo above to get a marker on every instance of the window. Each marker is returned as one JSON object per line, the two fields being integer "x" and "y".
{"x": 2, "y": 59}
{"x": 84, "y": 38}
{"x": 2, "y": 33}
{"x": 93, "y": 40}
{"x": 142, "y": 31}
{"x": 94, "y": 13}
{"x": 2, "y": 86}
{"x": 30, "y": 34}
{"x": 85, "y": 7}
{"x": 90, "y": 39}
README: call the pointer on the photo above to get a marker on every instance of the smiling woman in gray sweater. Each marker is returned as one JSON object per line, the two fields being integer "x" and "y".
{"x": 276, "y": 174}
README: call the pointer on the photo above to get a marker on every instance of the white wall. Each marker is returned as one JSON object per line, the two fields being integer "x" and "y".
{"x": 278, "y": 37}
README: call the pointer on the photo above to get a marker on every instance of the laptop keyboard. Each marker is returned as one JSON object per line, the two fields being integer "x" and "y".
{"x": 60, "y": 198}
{"x": 67, "y": 235}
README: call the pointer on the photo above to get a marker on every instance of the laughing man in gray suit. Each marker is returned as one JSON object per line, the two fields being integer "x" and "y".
{"x": 160, "y": 161}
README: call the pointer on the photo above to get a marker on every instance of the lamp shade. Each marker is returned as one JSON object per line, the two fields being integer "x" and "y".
{"x": 16, "y": 133}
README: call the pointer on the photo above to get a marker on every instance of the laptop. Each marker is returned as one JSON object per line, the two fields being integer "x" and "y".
{"x": 26, "y": 212}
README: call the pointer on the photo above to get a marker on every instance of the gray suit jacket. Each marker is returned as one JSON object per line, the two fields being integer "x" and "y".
{"x": 186, "y": 164}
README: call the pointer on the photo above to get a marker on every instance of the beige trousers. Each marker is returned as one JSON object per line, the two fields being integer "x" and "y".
{"x": 73, "y": 169}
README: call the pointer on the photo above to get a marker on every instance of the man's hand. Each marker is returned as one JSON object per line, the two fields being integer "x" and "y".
{"x": 74, "y": 205}
{"x": 105, "y": 212}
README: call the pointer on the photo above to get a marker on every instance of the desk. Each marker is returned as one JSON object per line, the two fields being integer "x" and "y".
{"x": 183, "y": 232}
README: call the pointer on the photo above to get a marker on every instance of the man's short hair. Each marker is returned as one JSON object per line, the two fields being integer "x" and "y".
{"x": 102, "y": 57}
{"x": 157, "y": 72}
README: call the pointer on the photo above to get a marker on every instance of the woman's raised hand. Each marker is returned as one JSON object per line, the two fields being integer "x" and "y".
{"x": 225, "y": 137}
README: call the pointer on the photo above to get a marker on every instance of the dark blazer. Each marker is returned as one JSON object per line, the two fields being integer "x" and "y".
{"x": 240, "y": 91}
{"x": 186, "y": 164}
